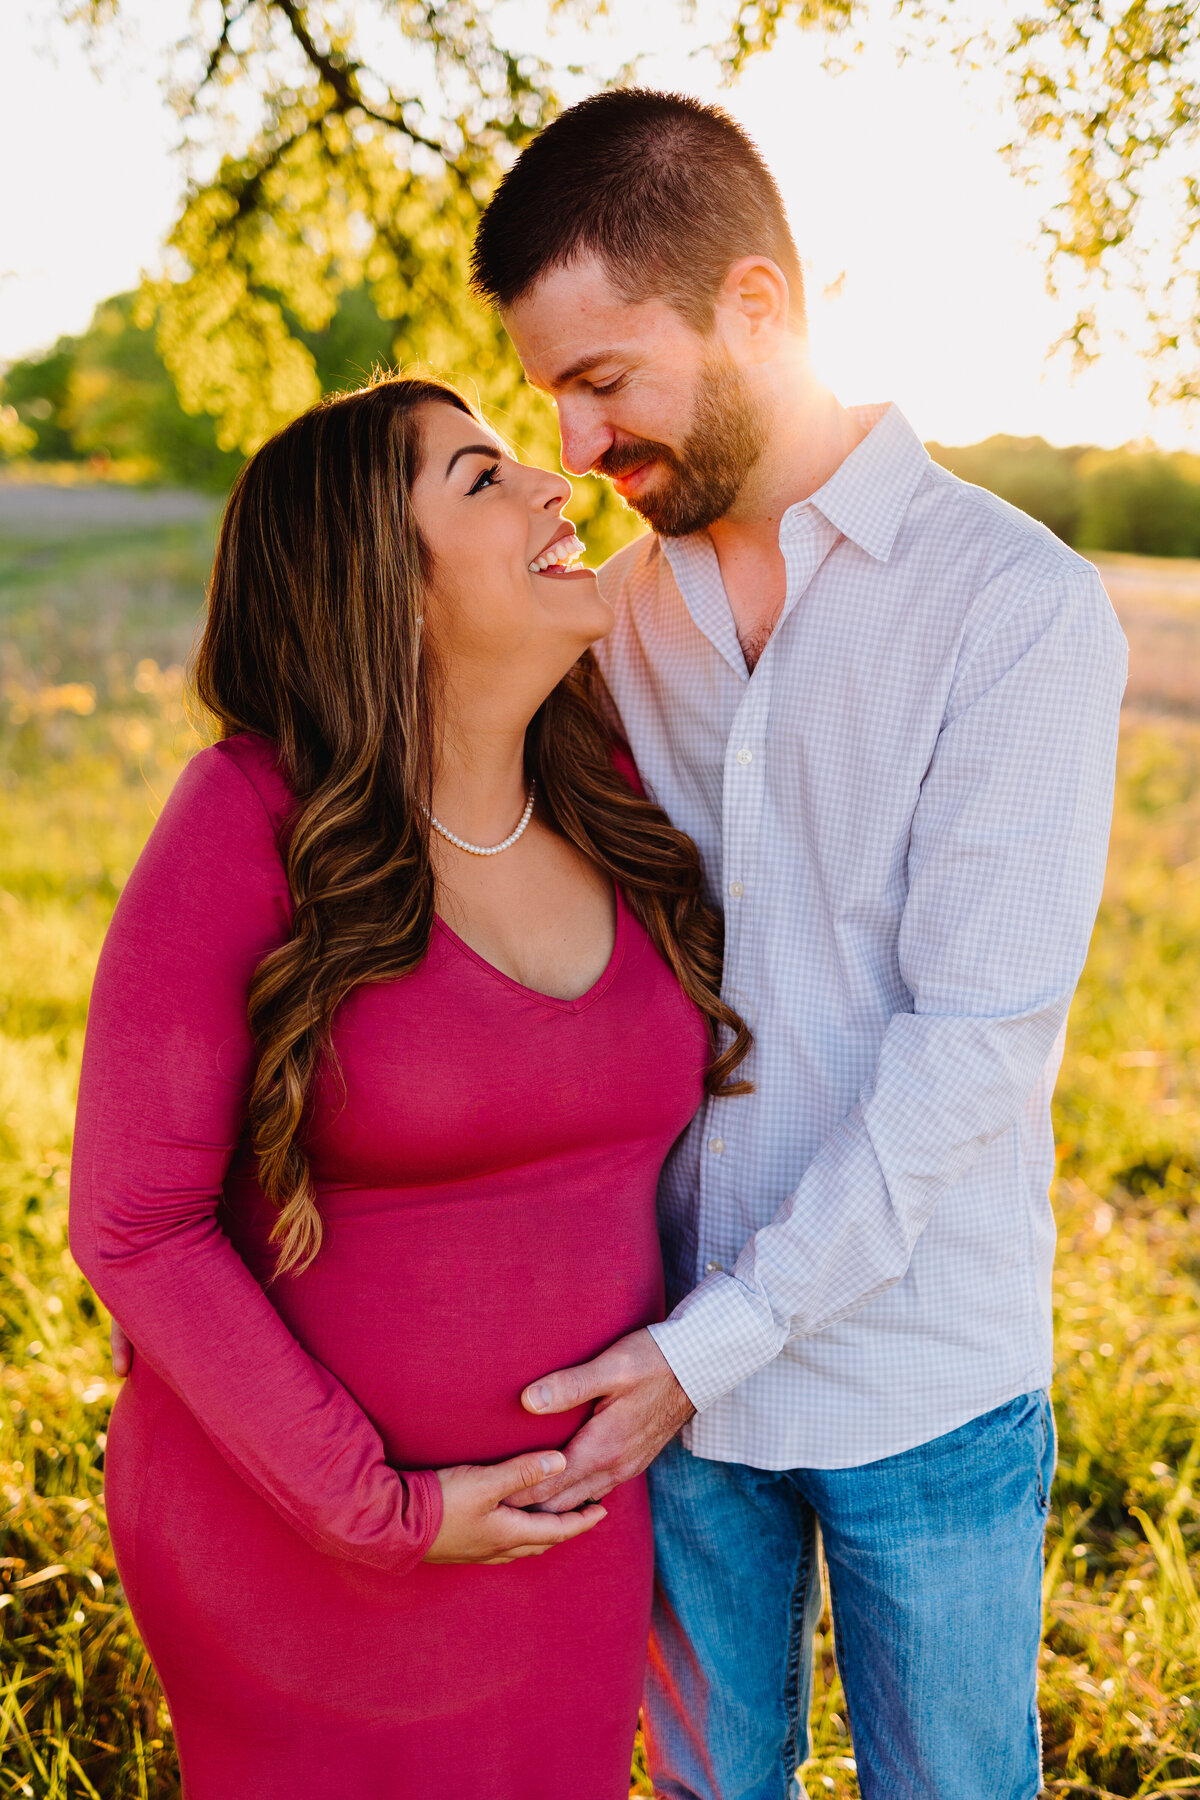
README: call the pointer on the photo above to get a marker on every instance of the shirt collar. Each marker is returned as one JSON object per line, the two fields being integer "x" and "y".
{"x": 864, "y": 500}
{"x": 693, "y": 563}
{"x": 868, "y": 494}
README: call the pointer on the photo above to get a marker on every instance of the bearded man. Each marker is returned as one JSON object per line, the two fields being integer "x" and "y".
{"x": 885, "y": 705}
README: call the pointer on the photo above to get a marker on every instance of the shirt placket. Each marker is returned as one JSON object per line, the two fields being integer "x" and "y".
{"x": 806, "y": 538}
{"x": 741, "y": 808}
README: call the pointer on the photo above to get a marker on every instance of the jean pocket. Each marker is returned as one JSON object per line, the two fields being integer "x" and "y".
{"x": 1048, "y": 1453}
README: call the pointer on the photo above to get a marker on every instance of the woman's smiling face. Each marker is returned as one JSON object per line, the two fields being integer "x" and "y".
{"x": 504, "y": 602}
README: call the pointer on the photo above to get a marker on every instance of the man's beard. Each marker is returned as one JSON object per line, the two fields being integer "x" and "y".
{"x": 705, "y": 477}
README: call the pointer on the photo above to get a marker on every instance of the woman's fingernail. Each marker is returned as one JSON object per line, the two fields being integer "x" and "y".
{"x": 540, "y": 1396}
{"x": 552, "y": 1464}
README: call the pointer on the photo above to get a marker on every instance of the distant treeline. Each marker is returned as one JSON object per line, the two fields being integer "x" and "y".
{"x": 104, "y": 399}
{"x": 1143, "y": 500}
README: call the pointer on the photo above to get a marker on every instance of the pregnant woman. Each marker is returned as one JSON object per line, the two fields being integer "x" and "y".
{"x": 400, "y": 1012}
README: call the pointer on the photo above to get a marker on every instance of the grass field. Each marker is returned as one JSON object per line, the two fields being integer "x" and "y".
{"x": 97, "y": 611}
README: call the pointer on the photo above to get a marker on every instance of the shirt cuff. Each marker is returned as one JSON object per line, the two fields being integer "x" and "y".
{"x": 719, "y": 1335}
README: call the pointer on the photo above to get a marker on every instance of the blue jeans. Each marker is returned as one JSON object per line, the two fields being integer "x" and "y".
{"x": 934, "y": 1560}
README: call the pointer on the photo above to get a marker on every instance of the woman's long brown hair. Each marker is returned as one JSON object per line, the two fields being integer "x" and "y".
{"x": 313, "y": 639}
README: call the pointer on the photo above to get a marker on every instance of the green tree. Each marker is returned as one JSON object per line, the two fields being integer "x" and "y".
{"x": 121, "y": 403}
{"x": 1140, "y": 500}
{"x": 105, "y": 395}
{"x": 1133, "y": 499}
{"x": 36, "y": 389}
{"x": 343, "y": 179}
{"x": 1027, "y": 472}
{"x": 345, "y": 183}
{"x": 366, "y": 167}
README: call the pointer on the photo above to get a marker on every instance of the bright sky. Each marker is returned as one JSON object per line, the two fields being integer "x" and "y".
{"x": 926, "y": 284}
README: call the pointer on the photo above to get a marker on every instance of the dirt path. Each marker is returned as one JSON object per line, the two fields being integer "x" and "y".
{"x": 33, "y": 508}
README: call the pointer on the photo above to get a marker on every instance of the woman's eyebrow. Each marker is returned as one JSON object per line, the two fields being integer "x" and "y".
{"x": 492, "y": 450}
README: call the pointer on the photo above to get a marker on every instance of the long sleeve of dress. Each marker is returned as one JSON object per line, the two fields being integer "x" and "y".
{"x": 162, "y": 1106}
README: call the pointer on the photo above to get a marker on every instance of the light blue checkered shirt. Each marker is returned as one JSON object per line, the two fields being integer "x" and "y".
{"x": 904, "y": 814}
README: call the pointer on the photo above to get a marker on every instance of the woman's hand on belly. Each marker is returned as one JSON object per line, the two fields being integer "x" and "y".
{"x": 482, "y": 1516}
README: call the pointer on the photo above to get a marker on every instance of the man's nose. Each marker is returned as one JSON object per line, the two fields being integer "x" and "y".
{"x": 584, "y": 439}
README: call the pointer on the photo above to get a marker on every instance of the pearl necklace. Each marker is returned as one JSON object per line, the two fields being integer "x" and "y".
{"x": 479, "y": 849}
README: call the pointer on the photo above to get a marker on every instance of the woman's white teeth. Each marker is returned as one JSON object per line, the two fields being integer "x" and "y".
{"x": 566, "y": 550}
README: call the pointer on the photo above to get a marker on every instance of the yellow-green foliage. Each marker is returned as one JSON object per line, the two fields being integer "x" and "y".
{"x": 92, "y": 744}
{"x": 1138, "y": 498}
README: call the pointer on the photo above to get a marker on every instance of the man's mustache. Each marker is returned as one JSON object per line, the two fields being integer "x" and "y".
{"x": 623, "y": 459}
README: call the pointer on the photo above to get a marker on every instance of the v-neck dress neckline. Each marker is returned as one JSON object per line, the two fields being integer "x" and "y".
{"x": 582, "y": 1001}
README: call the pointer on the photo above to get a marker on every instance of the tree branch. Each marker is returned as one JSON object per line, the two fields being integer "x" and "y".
{"x": 341, "y": 74}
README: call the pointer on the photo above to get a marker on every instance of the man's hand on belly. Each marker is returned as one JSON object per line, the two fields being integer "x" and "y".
{"x": 640, "y": 1407}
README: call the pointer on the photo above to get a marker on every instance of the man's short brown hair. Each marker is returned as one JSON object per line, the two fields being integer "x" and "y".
{"x": 668, "y": 191}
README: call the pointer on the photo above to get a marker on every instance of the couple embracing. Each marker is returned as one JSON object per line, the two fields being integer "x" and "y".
{"x": 523, "y": 919}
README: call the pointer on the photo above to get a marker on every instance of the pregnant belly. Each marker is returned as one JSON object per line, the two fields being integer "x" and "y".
{"x": 435, "y": 1311}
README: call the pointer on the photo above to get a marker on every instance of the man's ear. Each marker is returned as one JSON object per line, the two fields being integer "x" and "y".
{"x": 753, "y": 306}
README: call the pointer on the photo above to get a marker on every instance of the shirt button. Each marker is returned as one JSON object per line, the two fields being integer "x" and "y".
{"x": 745, "y": 756}
{"x": 736, "y": 889}
{"x": 714, "y": 1268}
{"x": 716, "y": 1145}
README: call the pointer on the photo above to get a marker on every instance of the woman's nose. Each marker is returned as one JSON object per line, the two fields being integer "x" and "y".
{"x": 554, "y": 491}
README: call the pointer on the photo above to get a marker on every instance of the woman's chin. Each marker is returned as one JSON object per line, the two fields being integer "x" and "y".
{"x": 604, "y": 616}
{"x": 600, "y": 614}
{"x": 577, "y": 596}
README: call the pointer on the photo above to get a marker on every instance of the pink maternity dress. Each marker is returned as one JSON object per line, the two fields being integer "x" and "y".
{"x": 487, "y": 1175}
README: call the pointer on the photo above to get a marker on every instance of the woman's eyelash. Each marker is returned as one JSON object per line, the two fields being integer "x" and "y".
{"x": 609, "y": 387}
{"x": 491, "y": 475}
